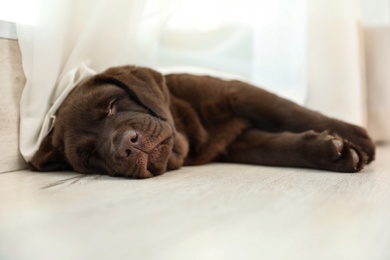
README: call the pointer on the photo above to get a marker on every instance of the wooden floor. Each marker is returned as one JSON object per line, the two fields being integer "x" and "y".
{"x": 219, "y": 211}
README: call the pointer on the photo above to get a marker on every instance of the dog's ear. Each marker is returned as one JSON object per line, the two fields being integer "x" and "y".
{"x": 48, "y": 157}
{"x": 145, "y": 85}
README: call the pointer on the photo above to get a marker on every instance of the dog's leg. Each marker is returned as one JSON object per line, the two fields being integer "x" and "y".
{"x": 308, "y": 149}
{"x": 275, "y": 114}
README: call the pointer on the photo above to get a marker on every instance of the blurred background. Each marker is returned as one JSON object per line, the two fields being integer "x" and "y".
{"x": 329, "y": 55}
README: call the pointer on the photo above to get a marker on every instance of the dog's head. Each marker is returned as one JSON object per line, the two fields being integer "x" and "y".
{"x": 116, "y": 123}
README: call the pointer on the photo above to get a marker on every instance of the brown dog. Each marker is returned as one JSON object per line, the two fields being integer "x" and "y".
{"x": 134, "y": 122}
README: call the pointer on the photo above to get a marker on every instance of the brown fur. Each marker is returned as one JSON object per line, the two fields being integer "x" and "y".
{"x": 134, "y": 122}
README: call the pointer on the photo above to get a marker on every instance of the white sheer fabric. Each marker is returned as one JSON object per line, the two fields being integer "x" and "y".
{"x": 308, "y": 51}
{"x": 337, "y": 87}
{"x": 376, "y": 26}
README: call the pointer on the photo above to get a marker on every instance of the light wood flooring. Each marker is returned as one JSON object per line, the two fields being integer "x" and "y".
{"x": 218, "y": 211}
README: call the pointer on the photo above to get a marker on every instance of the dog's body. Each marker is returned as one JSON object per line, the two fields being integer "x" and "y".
{"x": 134, "y": 122}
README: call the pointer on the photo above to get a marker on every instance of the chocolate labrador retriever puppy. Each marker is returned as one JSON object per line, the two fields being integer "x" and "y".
{"x": 134, "y": 122}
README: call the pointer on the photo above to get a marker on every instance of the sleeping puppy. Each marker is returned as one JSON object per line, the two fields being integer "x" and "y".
{"x": 134, "y": 122}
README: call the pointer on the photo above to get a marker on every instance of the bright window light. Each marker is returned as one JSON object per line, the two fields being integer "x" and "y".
{"x": 18, "y": 11}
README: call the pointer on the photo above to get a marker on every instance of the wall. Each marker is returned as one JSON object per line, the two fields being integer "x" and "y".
{"x": 12, "y": 81}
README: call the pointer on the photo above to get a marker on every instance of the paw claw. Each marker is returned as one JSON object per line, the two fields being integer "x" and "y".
{"x": 355, "y": 158}
{"x": 339, "y": 145}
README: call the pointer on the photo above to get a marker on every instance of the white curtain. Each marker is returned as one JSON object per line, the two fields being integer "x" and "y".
{"x": 309, "y": 51}
{"x": 349, "y": 61}
{"x": 376, "y": 33}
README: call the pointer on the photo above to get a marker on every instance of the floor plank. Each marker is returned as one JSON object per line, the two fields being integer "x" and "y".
{"x": 218, "y": 211}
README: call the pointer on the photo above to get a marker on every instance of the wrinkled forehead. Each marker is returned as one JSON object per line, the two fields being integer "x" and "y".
{"x": 90, "y": 94}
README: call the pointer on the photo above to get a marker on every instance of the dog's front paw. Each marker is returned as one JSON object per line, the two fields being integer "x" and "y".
{"x": 349, "y": 157}
{"x": 332, "y": 152}
{"x": 361, "y": 138}
{"x": 356, "y": 135}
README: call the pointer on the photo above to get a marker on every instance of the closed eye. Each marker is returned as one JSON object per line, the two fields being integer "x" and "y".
{"x": 111, "y": 107}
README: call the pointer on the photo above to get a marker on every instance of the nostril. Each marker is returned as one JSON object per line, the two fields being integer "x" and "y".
{"x": 134, "y": 138}
{"x": 130, "y": 140}
{"x": 128, "y": 152}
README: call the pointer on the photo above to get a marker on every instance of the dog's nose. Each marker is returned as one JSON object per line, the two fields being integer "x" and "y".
{"x": 130, "y": 139}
